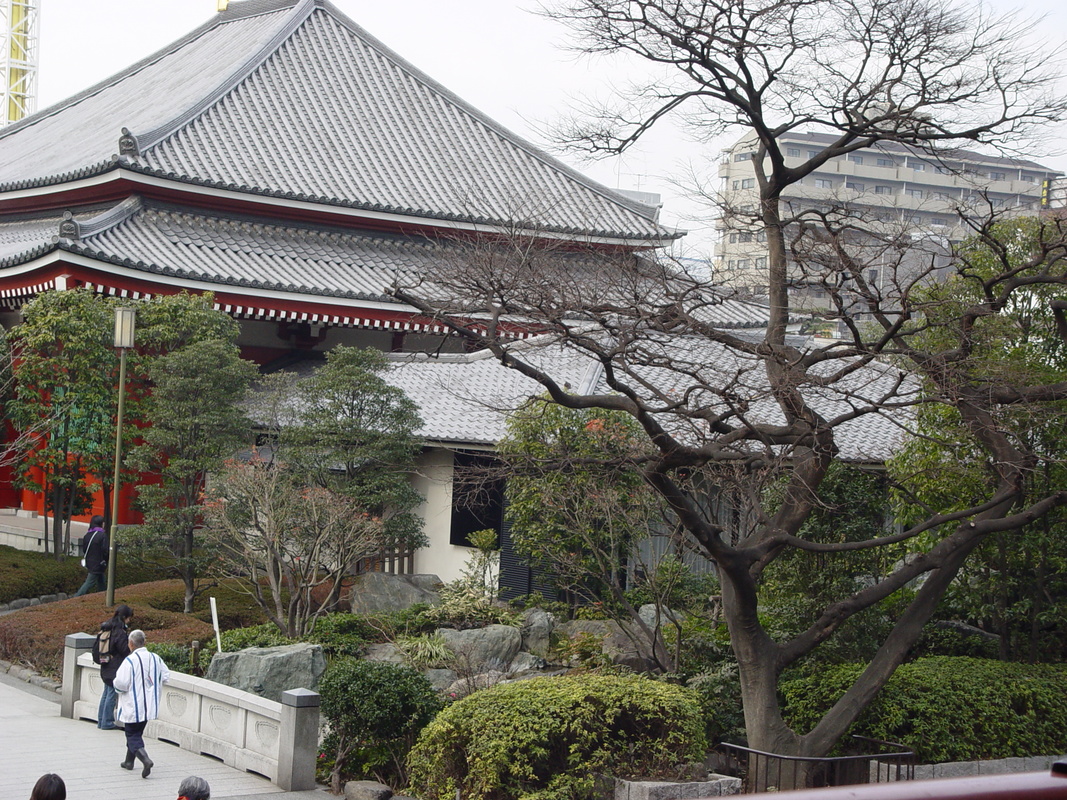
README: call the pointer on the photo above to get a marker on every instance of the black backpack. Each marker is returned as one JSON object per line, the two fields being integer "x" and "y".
{"x": 102, "y": 647}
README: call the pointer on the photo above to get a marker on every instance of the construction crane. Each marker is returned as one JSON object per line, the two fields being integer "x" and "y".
{"x": 19, "y": 52}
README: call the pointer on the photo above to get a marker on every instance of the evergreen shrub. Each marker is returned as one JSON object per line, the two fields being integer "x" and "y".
{"x": 549, "y": 738}
{"x": 949, "y": 709}
{"x": 374, "y": 712}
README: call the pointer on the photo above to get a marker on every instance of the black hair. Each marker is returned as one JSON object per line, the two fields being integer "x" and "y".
{"x": 96, "y": 522}
{"x": 49, "y": 787}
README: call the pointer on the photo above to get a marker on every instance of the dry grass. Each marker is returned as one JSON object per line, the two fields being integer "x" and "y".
{"x": 34, "y": 636}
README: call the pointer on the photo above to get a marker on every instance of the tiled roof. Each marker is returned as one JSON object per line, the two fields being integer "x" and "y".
{"x": 464, "y": 399}
{"x": 290, "y": 98}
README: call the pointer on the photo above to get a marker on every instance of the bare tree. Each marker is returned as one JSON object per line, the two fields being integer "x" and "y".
{"x": 763, "y": 417}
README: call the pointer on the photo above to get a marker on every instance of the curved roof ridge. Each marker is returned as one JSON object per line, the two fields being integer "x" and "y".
{"x": 70, "y": 228}
{"x": 133, "y": 144}
{"x": 250, "y": 8}
{"x": 649, "y": 212}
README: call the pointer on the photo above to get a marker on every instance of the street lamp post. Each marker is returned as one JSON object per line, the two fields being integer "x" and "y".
{"x": 124, "y": 324}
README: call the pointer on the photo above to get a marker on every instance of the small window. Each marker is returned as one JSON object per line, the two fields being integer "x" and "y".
{"x": 996, "y": 176}
{"x": 886, "y": 162}
{"x": 1030, "y": 179}
{"x": 823, "y": 183}
{"x": 914, "y": 193}
{"x": 941, "y": 196}
{"x": 918, "y": 166}
{"x": 813, "y": 153}
{"x": 733, "y": 238}
{"x": 938, "y": 222}
{"x": 761, "y": 261}
{"x": 883, "y": 190}
{"x": 761, "y": 236}
{"x": 748, "y": 183}
{"x": 742, "y": 263}
{"x": 743, "y": 156}
{"x": 943, "y": 170}
{"x": 872, "y": 276}
{"x": 737, "y": 185}
{"x": 855, "y": 187}
{"x": 855, "y": 159}
{"x": 793, "y": 152}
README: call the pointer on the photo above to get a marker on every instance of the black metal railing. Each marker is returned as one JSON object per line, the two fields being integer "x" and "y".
{"x": 768, "y": 772}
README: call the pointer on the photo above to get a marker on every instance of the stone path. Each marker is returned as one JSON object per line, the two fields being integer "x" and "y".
{"x": 35, "y": 740}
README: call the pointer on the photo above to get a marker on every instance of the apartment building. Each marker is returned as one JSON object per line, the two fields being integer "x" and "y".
{"x": 887, "y": 188}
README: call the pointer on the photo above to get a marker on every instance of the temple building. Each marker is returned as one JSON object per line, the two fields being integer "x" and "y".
{"x": 282, "y": 158}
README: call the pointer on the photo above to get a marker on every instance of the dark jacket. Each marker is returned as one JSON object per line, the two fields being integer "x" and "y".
{"x": 94, "y": 548}
{"x": 120, "y": 648}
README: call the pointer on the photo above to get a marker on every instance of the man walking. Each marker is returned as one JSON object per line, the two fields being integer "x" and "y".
{"x": 94, "y": 548}
{"x": 139, "y": 683}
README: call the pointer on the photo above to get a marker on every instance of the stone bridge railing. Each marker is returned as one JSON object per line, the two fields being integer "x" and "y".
{"x": 243, "y": 730}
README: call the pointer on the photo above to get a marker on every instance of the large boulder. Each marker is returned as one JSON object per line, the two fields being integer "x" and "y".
{"x": 386, "y": 652}
{"x": 647, "y": 613}
{"x": 269, "y": 671}
{"x": 537, "y": 625}
{"x": 381, "y": 591}
{"x": 481, "y": 649}
{"x": 627, "y": 647}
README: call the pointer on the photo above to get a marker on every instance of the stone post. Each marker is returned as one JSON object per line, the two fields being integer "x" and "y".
{"x": 298, "y": 740}
{"x": 73, "y": 646}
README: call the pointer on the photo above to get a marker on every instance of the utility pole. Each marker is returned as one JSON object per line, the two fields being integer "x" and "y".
{"x": 19, "y": 53}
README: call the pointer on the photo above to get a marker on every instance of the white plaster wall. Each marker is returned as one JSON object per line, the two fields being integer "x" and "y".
{"x": 434, "y": 482}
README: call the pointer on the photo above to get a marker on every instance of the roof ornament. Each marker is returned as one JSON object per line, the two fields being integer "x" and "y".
{"x": 128, "y": 144}
{"x": 69, "y": 227}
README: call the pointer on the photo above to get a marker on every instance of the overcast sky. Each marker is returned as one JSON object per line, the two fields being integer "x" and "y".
{"x": 495, "y": 54}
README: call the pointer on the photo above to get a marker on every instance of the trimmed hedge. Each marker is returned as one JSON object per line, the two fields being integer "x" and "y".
{"x": 949, "y": 708}
{"x": 549, "y": 738}
{"x": 24, "y": 573}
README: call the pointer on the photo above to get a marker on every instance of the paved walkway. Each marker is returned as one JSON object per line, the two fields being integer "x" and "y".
{"x": 35, "y": 740}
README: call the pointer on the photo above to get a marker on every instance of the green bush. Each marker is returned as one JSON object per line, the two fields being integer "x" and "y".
{"x": 548, "y": 739}
{"x": 342, "y": 634}
{"x": 24, "y": 573}
{"x": 374, "y": 712}
{"x": 950, "y": 709}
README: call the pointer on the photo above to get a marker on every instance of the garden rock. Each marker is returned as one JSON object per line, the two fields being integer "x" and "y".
{"x": 527, "y": 662}
{"x": 381, "y": 591}
{"x": 537, "y": 628}
{"x": 480, "y": 649}
{"x": 269, "y": 671}
{"x": 440, "y": 679}
{"x": 387, "y": 653}
{"x": 367, "y": 790}
{"x": 647, "y": 613}
{"x": 617, "y": 645}
{"x": 468, "y": 685}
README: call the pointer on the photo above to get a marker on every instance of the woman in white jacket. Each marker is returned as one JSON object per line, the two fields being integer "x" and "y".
{"x": 139, "y": 683}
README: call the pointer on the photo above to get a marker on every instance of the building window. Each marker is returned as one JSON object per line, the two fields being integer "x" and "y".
{"x": 743, "y": 156}
{"x": 737, "y": 185}
{"x": 918, "y": 166}
{"x": 744, "y": 237}
{"x": 855, "y": 187}
{"x": 761, "y": 236}
{"x": 748, "y": 183}
{"x": 996, "y": 176}
{"x": 1030, "y": 178}
{"x": 883, "y": 190}
{"x": 477, "y": 498}
{"x": 793, "y": 152}
{"x": 941, "y": 196}
{"x": 855, "y": 159}
{"x": 761, "y": 262}
{"x": 938, "y": 222}
{"x": 813, "y": 154}
{"x": 733, "y": 238}
{"x": 886, "y": 162}
{"x": 914, "y": 193}
{"x": 823, "y": 183}
{"x": 872, "y": 276}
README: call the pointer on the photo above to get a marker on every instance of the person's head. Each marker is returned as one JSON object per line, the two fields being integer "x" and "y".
{"x": 49, "y": 787}
{"x": 96, "y": 522}
{"x": 136, "y": 639}
{"x": 123, "y": 612}
{"x": 194, "y": 788}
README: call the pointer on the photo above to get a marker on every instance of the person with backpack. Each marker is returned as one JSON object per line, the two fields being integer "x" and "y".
{"x": 109, "y": 650}
{"x": 94, "y": 548}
